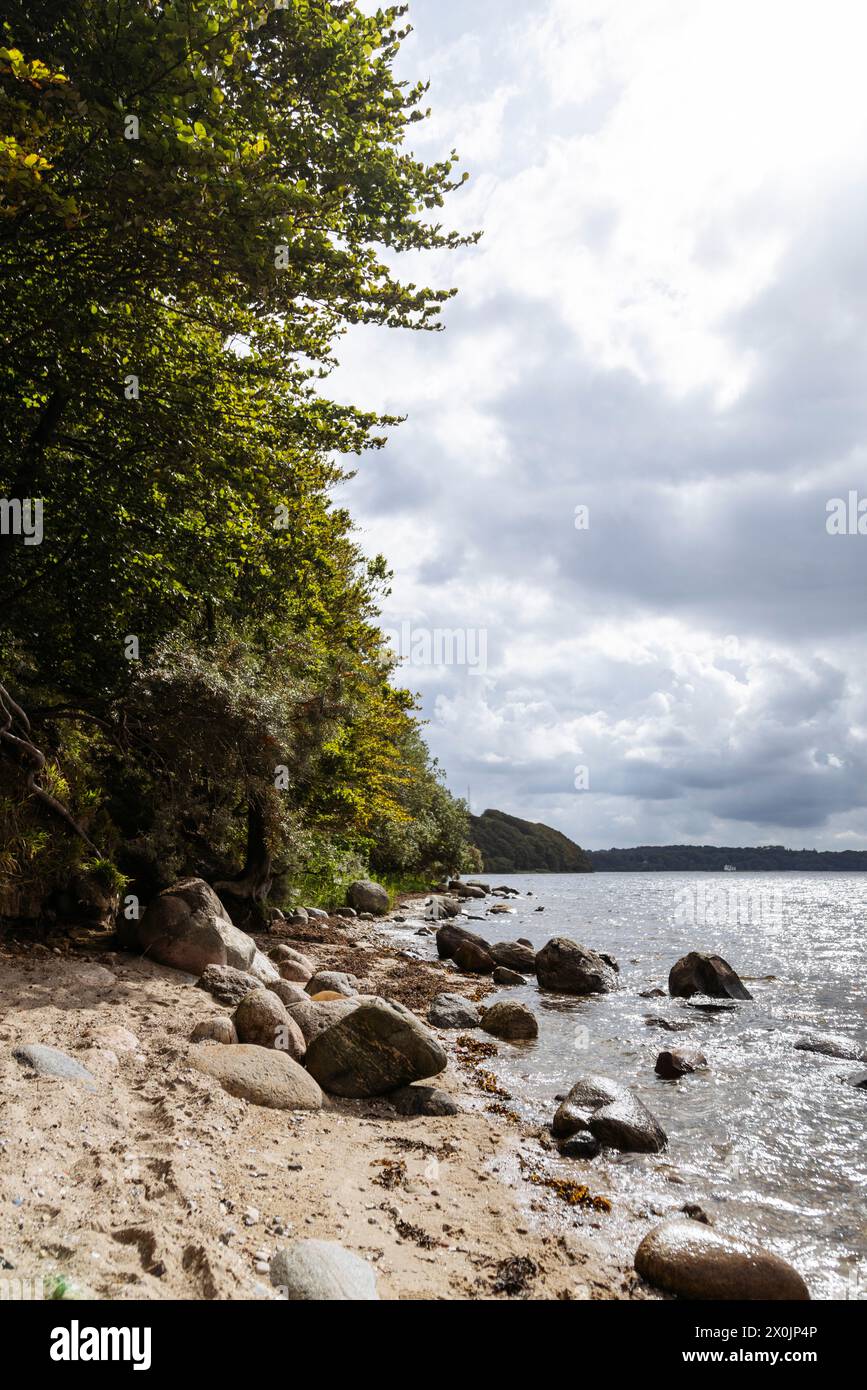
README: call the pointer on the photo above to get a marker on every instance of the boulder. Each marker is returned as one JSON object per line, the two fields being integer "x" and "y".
{"x": 324, "y": 996}
{"x": 695, "y": 1261}
{"x": 335, "y": 981}
{"x": 500, "y": 907}
{"x": 473, "y": 958}
{"x": 50, "y": 1061}
{"x": 227, "y": 985}
{"x": 295, "y": 971}
{"x": 187, "y": 927}
{"x": 260, "y": 1075}
{"x": 259, "y": 1018}
{"x": 580, "y": 1145}
{"x": 451, "y": 936}
{"x": 313, "y": 1017}
{"x": 321, "y": 1271}
{"x": 366, "y": 896}
{"x": 424, "y": 1100}
{"x": 510, "y": 1020}
{"x": 376, "y": 1048}
{"x": 698, "y": 973}
{"x": 288, "y": 991}
{"x": 263, "y": 969}
{"x": 568, "y": 968}
{"x": 672, "y": 1065}
{"x": 514, "y": 955}
{"x": 502, "y": 976}
{"x": 465, "y": 890}
{"x": 832, "y": 1045}
{"x": 453, "y": 1011}
{"x": 857, "y": 1078}
{"x": 477, "y": 883}
{"x": 613, "y": 1115}
{"x": 218, "y": 1028}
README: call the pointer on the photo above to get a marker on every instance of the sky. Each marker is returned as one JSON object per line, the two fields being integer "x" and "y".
{"x": 616, "y": 590}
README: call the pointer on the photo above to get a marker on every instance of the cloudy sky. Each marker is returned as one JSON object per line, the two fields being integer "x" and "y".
{"x": 666, "y": 324}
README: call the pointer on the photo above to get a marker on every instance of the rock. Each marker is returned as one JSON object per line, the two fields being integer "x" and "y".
{"x": 510, "y": 1020}
{"x": 696, "y": 1262}
{"x": 259, "y": 1018}
{"x": 580, "y": 1145}
{"x": 614, "y": 1116}
{"x": 226, "y": 984}
{"x": 477, "y": 883}
{"x": 217, "y": 1028}
{"x": 323, "y": 996}
{"x": 344, "y": 912}
{"x": 473, "y": 958}
{"x": 565, "y": 966}
{"x": 424, "y": 1100}
{"x": 366, "y": 896}
{"x": 514, "y": 955}
{"x": 335, "y": 981}
{"x": 450, "y": 937}
{"x": 375, "y": 1049}
{"x": 288, "y": 991}
{"x": 186, "y": 927}
{"x": 420, "y": 931}
{"x": 321, "y": 1271}
{"x": 298, "y": 917}
{"x": 314, "y": 1017}
{"x": 263, "y": 969}
{"x": 465, "y": 890}
{"x": 114, "y": 1037}
{"x": 260, "y": 1075}
{"x": 655, "y": 993}
{"x": 318, "y": 913}
{"x": 453, "y": 1011}
{"x": 671, "y": 1025}
{"x": 857, "y": 1078}
{"x": 698, "y": 973}
{"x": 672, "y": 1065}
{"x": 832, "y": 1045}
{"x": 50, "y": 1061}
{"x": 295, "y": 971}
{"x": 502, "y": 976}
{"x": 696, "y": 1213}
{"x": 500, "y": 907}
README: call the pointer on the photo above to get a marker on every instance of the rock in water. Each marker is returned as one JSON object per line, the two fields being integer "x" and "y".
{"x": 451, "y": 937}
{"x": 510, "y": 1020}
{"x": 514, "y": 955}
{"x": 186, "y": 927}
{"x": 228, "y": 985}
{"x": 502, "y": 976}
{"x": 695, "y": 1261}
{"x": 581, "y": 1145}
{"x": 858, "y": 1079}
{"x": 565, "y": 966}
{"x": 473, "y": 958}
{"x": 50, "y": 1061}
{"x": 424, "y": 1100}
{"x": 322, "y": 1271}
{"x": 453, "y": 1011}
{"x": 373, "y": 1050}
{"x": 366, "y": 896}
{"x": 831, "y": 1045}
{"x": 260, "y": 1075}
{"x": 613, "y": 1115}
{"x": 672, "y": 1065}
{"x": 698, "y": 973}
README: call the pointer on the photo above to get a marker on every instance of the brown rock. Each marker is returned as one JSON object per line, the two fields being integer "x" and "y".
{"x": 672, "y": 1065}
{"x": 473, "y": 958}
{"x": 218, "y": 1028}
{"x": 259, "y": 1075}
{"x": 698, "y": 973}
{"x": 511, "y": 1020}
{"x": 696, "y": 1262}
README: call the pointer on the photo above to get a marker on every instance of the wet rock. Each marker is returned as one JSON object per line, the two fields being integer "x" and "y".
{"x": 502, "y": 976}
{"x": 321, "y": 1271}
{"x": 672, "y": 1065}
{"x": 50, "y": 1061}
{"x": 670, "y": 1025}
{"x": 367, "y": 896}
{"x": 857, "y": 1078}
{"x": 696, "y": 1213}
{"x": 373, "y": 1050}
{"x": 450, "y": 937}
{"x": 514, "y": 955}
{"x": 580, "y": 1145}
{"x": 698, "y": 973}
{"x": 217, "y": 1028}
{"x": 510, "y": 1020}
{"x": 424, "y": 1100}
{"x": 473, "y": 958}
{"x": 226, "y": 984}
{"x": 565, "y": 966}
{"x": 614, "y": 1116}
{"x": 344, "y": 912}
{"x": 832, "y": 1045}
{"x": 335, "y": 981}
{"x": 187, "y": 927}
{"x": 696, "y": 1262}
{"x": 453, "y": 1011}
{"x": 655, "y": 993}
{"x": 260, "y": 1075}
{"x": 500, "y": 907}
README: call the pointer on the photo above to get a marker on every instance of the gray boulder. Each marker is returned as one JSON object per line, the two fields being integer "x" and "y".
{"x": 376, "y": 1048}
{"x": 50, "y": 1061}
{"x": 366, "y": 896}
{"x": 321, "y": 1271}
{"x": 580, "y": 1145}
{"x": 510, "y": 1020}
{"x": 832, "y": 1045}
{"x": 453, "y": 1011}
{"x": 698, "y": 973}
{"x": 612, "y": 1114}
{"x": 514, "y": 955}
{"x": 263, "y": 969}
{"x": 335, "y": 980}
{"x": 187, "y": 927}
{"x": 314, "y": 1016}
{"x": 565, "y": 966}
{"x": 260, "y": 1075}
{"x": 466, "y": 890}
{"x": 261, "y": 1018}
{"x": 288, "y": 991}
{"x": 226, "y": 984}
{"x": 424, "y": 1100}
{"x": 694, "y": 1261}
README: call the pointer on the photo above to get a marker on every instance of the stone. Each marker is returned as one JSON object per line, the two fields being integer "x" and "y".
{"x": 295, "y": 971}
{"x": 453, "y": 1011}
{"x": 114, "y": 1037}
{"x": 336, "y": 981}
{"x": 465, "y": 890}
{"x": 502, "y": 976}
{"x": 672, "y": 1065}
{"x": 655, "y": 993}
{"x": 424, "y": 1100}
{"x": 366, "y": 896}
{"x": 227, "y": 985}
{"x": 450, "y": 937}
{"x": 858, "y": 1079}
{"x": 500, "y": 907}
{"x": 217, "y": 1028}
{"x": 186, "y": 927}
{"x": 580, "y": 1145}
{"x": 323, "y": 996}
{"x": 832, "y": 1045}
{"x": 695, "y": 1261}
{"x": 514, "y": 955}
{"x": 510, "y": 1020}
{"x": 376, "y": 1048}
{"x": 260, "y": 1075}
{"x": 318, "y": 913}
{"x": 259, "y": 1018}
{"x": 670, "y": 1025}
{"x": 314, "y": 1017}
{"x": 288, "y": 991}
{"x": 263, "y": 969}
{"x": 698, "y": 973}
{"x": 321, "y": 1271}
{"x": 50, "y": 1061}
{"x": 473, "y": 958}
{"x": 613, "y": 1115}
{"x": 565, "y": 966}
{"x": 344, "y": 912}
